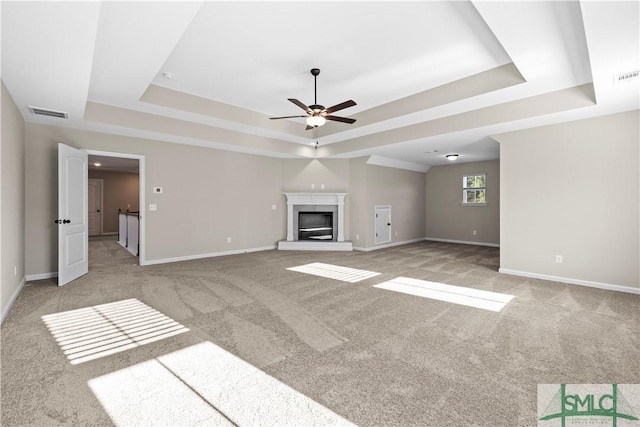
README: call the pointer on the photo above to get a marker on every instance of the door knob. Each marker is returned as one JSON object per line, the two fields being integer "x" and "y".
{"x": 388, "y": 223}
{"x": 57, "y": 221}
{"x": 66, "y": 221}
{"x": 98, "y": 210}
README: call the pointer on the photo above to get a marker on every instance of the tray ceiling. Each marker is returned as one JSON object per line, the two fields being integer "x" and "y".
{"x": 426, "y": 76}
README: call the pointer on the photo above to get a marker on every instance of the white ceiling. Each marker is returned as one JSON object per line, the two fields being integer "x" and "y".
{"x": 426, "y": 76}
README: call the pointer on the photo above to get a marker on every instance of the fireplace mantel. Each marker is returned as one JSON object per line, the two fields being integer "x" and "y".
{"x": 315, "y": 199}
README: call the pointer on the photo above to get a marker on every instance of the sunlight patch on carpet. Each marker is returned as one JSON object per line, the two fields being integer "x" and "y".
{"x": 93, "y": 332}
{"x": 470, "y": 297}
{"x": 336, "y": 272}
{"x": 205, "y": 385}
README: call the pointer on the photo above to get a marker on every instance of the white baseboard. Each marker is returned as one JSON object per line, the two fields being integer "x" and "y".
{"x": 111, "y": 233}
{"x": 599, "y": 285}
{"x": 462, "y": 242}
{"x": 209, "y": 255}
{"x": 386, "y": 245}
{"x": 13, "y": 298}
{"x": 41, "y": 276}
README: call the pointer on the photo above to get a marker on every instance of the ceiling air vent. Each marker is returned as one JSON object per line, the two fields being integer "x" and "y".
{"x": 50, "y": 113}
{"x": 626, "y": 77}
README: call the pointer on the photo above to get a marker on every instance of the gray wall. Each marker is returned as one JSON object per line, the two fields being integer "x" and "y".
{"x": 119, "y": 189}
{"x": 358, "y": 201}
{"x": 12, "y": 218}
{"x": 447, "y": 219}
{"x": 403, "y": 190}
{"x": 572, "y": 189}
{"x": 298, "y": 175}
{"x": 208, "y": 195}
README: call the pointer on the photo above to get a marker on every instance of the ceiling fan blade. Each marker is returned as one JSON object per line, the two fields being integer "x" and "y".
{"x": 341, "y": 106}
{"x": 285, "y": 117}
{"x": 340, "y": 119}
{"x": 299, "y": 104}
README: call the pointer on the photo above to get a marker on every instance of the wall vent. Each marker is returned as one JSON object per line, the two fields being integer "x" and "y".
{"x": 50, "y": 113}
{"x": 626, "y": 77}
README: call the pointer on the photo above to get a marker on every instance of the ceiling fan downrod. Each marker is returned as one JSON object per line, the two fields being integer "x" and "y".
{"x": 315, "y": 107}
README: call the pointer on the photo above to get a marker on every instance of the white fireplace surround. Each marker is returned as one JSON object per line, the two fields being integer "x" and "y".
{"x": 315, "y": 199}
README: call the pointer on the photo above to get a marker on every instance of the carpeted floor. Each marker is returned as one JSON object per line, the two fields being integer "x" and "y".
{"x": 372, "y": 356}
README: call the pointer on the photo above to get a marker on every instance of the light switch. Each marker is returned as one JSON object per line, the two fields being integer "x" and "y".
{"x": 153, "y": 207}
{"x": 274, "y": 207}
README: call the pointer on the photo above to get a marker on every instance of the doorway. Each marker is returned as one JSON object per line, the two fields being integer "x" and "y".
{"x": 73, "y": 206}
{"x": 122, "y": 191}
{"x": 383, "y": 224}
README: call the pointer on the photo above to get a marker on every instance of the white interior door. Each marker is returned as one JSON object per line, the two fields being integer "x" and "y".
{"x": 383, "y": 224}
{"x": 73, "y": 238}
{"x": 95, "y": 207}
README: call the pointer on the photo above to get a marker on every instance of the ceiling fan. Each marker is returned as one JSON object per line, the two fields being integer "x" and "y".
{"x": 317, "y": 115}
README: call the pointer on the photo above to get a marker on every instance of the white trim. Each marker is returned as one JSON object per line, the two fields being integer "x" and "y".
{"x": 462, "y": 242}
{"x": 42, "y": 276}
{"x": 209, "y": 255}
{"x": 13, "y": 299}
{"x": 142, "y": 249}
{"x": 386, "y": 245}
{"x": 568, "y": 280}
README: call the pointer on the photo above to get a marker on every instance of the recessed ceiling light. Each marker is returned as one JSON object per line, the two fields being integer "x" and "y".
{"x": 168, "y": 75}
{"x": 97, "y": 164}
{"x": 451, "y": 157}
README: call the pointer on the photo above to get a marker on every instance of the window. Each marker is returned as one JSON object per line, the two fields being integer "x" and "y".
{"x": 474, "y": 189}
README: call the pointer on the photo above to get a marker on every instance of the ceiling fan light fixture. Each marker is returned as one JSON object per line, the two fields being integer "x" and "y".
{"x": 316, "y": 121}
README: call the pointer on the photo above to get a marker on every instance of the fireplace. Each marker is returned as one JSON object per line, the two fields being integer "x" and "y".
{"x": 315, "y": 221}
{"x": 315, "y": 225}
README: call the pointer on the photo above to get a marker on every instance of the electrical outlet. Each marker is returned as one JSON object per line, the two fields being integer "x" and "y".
{"x": 475, "y": 233}
{"x": 357, "y": 237}
{"x": 313, "y": 186}
{"x": 157, "y": 190}
{"x": 322, "y": 186}
{"x": 558, "y": 259}
{"x": 153, "y": 207}
{"x": 274, "y": 207}
{"x": 228, "y": 239}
